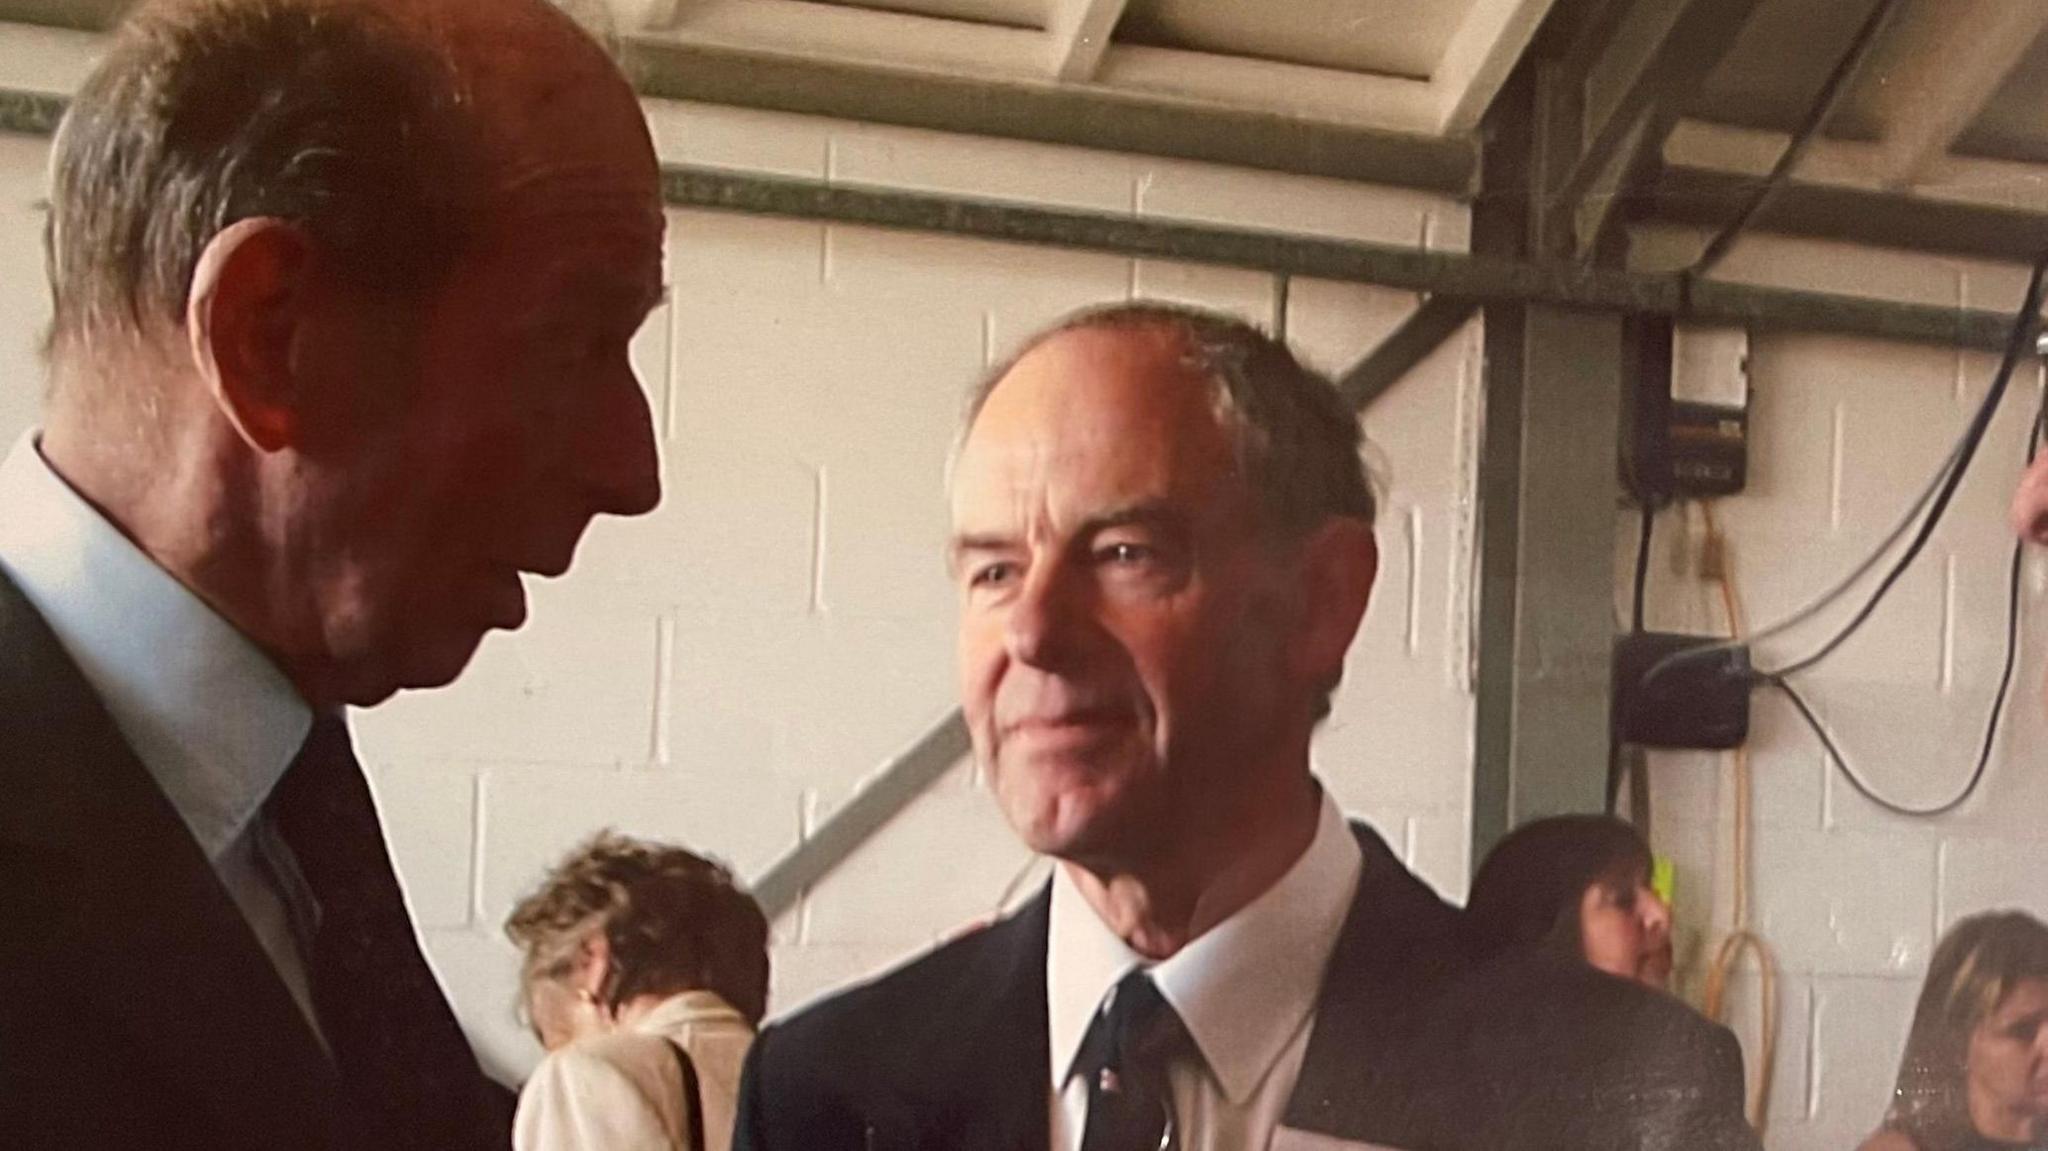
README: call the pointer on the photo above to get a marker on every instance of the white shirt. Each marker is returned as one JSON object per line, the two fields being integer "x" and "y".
{"x": 1246, "y": 989}
{"x": 623, "y": 1091}
{"x": 211, "y": 718}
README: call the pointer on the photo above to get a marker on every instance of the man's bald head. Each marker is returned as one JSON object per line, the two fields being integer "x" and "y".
{"x": 383, "y": 128}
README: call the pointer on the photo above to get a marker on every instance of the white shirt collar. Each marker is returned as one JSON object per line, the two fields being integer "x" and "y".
{"x": 211, "y": 718}
{"x": 1244, "y": 987}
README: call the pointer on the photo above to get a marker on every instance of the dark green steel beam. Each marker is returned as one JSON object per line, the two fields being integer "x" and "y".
{"x": 1436, "y": 273}
{"x": 1709, "y": 198}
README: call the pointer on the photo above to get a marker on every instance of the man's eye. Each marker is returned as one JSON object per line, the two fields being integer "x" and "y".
{"x": 992, "y": 574}
{"x": 1125, "y": 553}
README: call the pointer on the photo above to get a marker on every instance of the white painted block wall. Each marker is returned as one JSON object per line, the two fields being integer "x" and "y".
{"x": 1845, "y": 433}
{"x": 727, "y": 671}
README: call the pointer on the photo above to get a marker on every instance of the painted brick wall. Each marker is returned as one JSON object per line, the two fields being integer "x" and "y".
{"x": 1852, "y": 899}
{"x": 727, "y": 671}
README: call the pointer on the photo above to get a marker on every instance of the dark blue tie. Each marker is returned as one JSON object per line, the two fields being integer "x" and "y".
{"x": 405, "y": 1065}
{"x": 1134, "y": 1036}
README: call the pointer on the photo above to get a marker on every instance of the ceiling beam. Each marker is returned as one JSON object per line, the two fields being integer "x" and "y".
{"x": 1949, "y": 59}
{"x": 1088, "y": 116}
{"x": 1420, "y": 270}
{"x": 1301, "y": 91}
{"x": 1995, "y": 209}
{"x": 1631, "y": 88}
{"x": 835, "y": 33}
{"x": 1484, "y": 50}
{"x": 1080, "y": 32}
{"x": 1707, "y": 197}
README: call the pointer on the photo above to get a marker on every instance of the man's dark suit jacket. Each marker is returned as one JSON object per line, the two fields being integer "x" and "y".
{"x": 137, "y": 1008}
{"x": 951, "y": 1051}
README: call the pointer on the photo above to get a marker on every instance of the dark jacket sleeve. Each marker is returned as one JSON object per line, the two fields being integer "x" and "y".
{"x": 750, "y": 1121}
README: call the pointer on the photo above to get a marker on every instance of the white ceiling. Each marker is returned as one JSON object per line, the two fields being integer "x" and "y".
{"x": 1420, "y": 67}
{"x": 1951, "y": 105}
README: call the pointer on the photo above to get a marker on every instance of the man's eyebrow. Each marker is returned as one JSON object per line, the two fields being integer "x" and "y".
{"x": 1147, "y": 513}
{"x": 966, "y": 542}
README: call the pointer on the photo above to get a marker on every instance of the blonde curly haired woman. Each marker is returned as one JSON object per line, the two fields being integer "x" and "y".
{"x": 646, "y": 972}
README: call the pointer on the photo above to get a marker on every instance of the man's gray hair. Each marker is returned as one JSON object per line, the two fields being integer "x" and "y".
{"x": 1298, "y": 446}
{"x": 326, "y": 113}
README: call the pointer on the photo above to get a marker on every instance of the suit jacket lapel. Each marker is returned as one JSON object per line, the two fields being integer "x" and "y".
{"x": 1398, "y": 947}
{"x": 162, "y": 947}
{"x": 980, "y": 1083}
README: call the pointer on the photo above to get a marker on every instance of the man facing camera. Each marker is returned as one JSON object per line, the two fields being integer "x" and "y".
{"x": 1162, "y": 538}
{"x": 343, "y": 291}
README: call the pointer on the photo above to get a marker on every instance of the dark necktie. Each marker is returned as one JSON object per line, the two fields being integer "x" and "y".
{"x": 1130, "y": 1106}
{"x": 406, "y": 1068}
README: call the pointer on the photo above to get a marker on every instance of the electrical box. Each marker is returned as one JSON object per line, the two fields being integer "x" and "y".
{"x": 1685, "y": 414}
{"x": 1709, "y": 429}
{"x": 1670, "y": 691}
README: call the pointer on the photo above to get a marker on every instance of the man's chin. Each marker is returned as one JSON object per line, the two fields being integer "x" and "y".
{"x": 1096, "y": 837}
{"x": 433, "y": 660}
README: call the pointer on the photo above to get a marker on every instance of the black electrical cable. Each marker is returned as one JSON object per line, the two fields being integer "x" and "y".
{"x": 2025, "y": 323}
{"x": 1991, "y": 725}
{"x": 1945, "y": 482}
{"x": 1831, "y": 93}
{"x": 1969, "y": 787}
{"x": 1642, "y": 567}
{"x": 1619, "y": 767}
{"x": 2015, "y": 345}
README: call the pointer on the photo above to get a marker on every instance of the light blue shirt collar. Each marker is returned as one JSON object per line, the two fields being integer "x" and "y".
{"x": 211, "y": 718}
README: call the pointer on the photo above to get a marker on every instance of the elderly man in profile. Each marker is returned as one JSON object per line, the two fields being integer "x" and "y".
{"x": 342, "y": 296}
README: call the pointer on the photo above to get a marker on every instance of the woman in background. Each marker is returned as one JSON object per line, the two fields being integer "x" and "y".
{"x": 645, "y": 974}
{"x": 1975, "y": 1073}
{"x": 1565, "y": 1026}
{"x": 1573, "y": 884}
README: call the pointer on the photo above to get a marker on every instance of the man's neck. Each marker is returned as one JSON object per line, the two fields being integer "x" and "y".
{"x": 1157, "y": 906}
{"x": 173, "y": 492}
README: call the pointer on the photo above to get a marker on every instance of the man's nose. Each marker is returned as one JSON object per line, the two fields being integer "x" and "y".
{"x": 1044, "y": 621}
{"x": 619, "y": 465}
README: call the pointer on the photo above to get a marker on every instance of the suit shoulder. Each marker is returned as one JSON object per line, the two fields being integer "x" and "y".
{"x": 898, "y": 998}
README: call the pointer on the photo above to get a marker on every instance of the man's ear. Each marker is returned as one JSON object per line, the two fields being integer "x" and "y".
{"x": 1338, "y": 563}
{"x": 242, "y": 314}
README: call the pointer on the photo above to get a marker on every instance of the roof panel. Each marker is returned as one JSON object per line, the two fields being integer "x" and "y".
{"x": 2014, "y": 125}
{"x": 1394, "y": 37}
{"x": 1771, "y": 76}
{"x": 1008, "y": 13}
